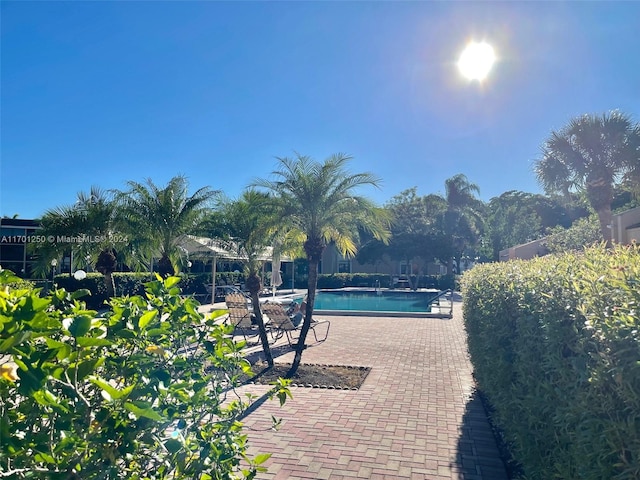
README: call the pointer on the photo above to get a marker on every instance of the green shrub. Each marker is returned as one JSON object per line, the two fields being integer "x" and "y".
{"x": 373, "y": 280}
{"x": 93, "y": 284}
{"x": 556, "y": 350}
{"x": 227, "y": 278}
{"x": 335, "y": 280}
{"x": 196, "y": 284}
{"x": 143, "y": 391}
{"x": 21, "y": 283}
{"x": 584, "y": 231}
{"x": 133, "y": 283}
{"x": 447, "y": 282}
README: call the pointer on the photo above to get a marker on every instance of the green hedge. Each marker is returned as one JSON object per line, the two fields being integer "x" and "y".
{"x": 94, "y": 283}
{"x": 131, "y": 283}
{"x": 371, "y": 280}
{"x": 556, "y": 351}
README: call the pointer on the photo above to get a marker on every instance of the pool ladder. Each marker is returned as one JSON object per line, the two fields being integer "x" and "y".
{"x": 444, "y": 294}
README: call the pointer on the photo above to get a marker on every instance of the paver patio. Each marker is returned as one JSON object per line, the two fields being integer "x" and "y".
{"x": 415, "y": 416}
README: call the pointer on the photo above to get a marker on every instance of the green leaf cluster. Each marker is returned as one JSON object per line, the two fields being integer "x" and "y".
{"x": 146, "y": 390}
{"x": 584, "y": 232}
{"x": 556, "y": 350}
{"x": 133, "y": 283}
{"x": 381, "y": 280}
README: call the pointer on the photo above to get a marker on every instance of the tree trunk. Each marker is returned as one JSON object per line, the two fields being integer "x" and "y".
{"x": 253, "y": 282}
{"x": 600, "y": 196}
{"x": 306, "y": 324}
{"x": 109, "y": 284}
{"x": 606, "y": 228}
{"x": 106, "y": 265}
{"x": 450, "y": 266}
{"x": 165, "y": 267}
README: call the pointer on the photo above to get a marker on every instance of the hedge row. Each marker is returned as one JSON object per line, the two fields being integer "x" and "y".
{"x": 556, "y": 351}
{"x": 131, "y": 283}
{"x": 372, "y": 280}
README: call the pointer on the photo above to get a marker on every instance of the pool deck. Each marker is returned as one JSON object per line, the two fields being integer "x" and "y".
{"x": 415, "y": 417}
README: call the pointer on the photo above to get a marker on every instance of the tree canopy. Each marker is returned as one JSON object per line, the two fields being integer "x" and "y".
{"x": 320, "y": 201}
{"x": 155, "y": 218}
{"x": 592, "y": 153}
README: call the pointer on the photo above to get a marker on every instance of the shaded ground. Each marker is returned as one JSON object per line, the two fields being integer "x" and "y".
{"x": 414, "y": 417}
{"x": 318, "y": 376}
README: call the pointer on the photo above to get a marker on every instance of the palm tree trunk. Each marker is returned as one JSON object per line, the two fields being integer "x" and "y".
{"x": 604, "y": 217}
{"x": 109, "y": 284}
{"x": 450, "y": 266}
{"x": 165, "y": 267}
{"x": 306, "y": 324}
{"x": 255, "y": 301}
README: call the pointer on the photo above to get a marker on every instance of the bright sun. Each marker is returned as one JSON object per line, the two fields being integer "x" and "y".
{"x": 476, "y": 61}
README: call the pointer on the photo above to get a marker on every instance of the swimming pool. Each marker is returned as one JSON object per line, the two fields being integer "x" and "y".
{"x": 375, "y": 302}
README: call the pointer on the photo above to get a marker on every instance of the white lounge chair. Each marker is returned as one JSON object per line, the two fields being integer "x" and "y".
{"x": 281, "y": 323}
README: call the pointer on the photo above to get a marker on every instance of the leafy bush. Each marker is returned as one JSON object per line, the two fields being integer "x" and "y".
{"x": 556, "y": 350}
{"x": 371, "y": 280}
{"x": 21, "y": 283}
{"x": 447, "y": 282}
{"x": 584, "y": 232}
{"x": 334, "y": 280}
{"x": 93, "y": 284}
{"x": 196, "y": 284}
{"x": 227, "y": 278}
{"x": 133, "y": 283}
{"x": 144, "y": 391}
{"x": 126, "y": 284}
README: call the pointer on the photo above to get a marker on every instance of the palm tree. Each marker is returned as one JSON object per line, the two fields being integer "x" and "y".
{"x": 250, "y": 225}
{"x": 592, "y": 154}
{"x": 89, "y": 222}
{"x": 155, "y": 218}
{"x": 318, "y": 202}
{"x": 461, "y": 220}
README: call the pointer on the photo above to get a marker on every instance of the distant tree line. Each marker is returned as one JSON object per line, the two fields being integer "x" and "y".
{"x": 591, "y": 166}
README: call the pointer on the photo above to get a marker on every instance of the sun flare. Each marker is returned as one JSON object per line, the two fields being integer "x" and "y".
{"x": 476, "y": 60}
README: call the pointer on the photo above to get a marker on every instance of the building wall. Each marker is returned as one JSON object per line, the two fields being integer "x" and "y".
{"x": 526, "y": 251}
{"x": 14, "y": 254}
{"x": 633, "y": 235}
{"x": 624, "y": 226}
{"x": 333, "y": 262}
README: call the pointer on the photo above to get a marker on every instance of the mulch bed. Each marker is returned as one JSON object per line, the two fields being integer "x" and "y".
{"x": 340, "y": 377}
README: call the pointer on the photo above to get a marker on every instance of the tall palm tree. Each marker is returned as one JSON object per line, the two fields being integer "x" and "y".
{"x": 89, "y": 222}
{"x": 318, "y": 201}
{"x": 155, "y": 218}
{"x": 250, "y": 225}
{"x": 592, "y": 154}
{"x": 462, "y": 219}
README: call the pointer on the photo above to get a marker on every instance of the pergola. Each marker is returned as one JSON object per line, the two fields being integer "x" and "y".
{"x": 218, "y": 249}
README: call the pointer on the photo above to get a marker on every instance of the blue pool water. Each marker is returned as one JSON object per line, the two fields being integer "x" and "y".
{"x": 375, "y": 301}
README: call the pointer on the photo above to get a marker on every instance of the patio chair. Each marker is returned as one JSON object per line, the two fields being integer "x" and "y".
{"x": 240, "y": 316}
{"x": 281, "y": 323}
{"x": 208, "y": 297}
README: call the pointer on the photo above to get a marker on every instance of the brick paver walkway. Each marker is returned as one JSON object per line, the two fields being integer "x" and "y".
{"x": 415, "y": 416}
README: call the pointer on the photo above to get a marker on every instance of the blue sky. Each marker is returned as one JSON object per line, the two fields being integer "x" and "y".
{"x": 99, "y": 93}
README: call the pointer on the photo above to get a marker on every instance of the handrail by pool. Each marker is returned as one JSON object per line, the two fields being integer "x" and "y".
{"x": 443, "y": 293}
